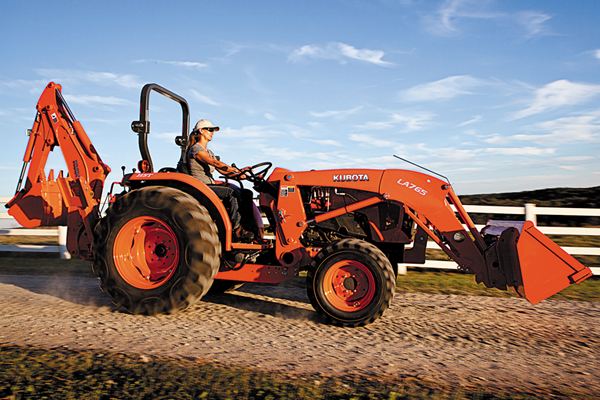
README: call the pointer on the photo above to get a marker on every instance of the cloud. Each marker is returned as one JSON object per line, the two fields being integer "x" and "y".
{"x": 270, "y": 116}
{"x": 443, "y": 89}
{"x": 447, "y": 19}
{"x": 376, "y": 125}
{"x": 495, "y": 139}
{"x": 533, "y": 22}
{"x": 166, "y": 136}
{"x": 327, "y": 142}
{"x": 202, "y": 98}
{"x": 337, "y": 114}
{"x": 340, "y": 52}
{"x": 371, "y": 56}
{"x": 101, "y": 78}
{"x": 580, "y": 129}
{"x": 515, "y": 183}
{"x": 597, "y": 54}
{"x": 559, "y": 93}
{"x": 443, "y": 22}
{"x": 521, "y": 151}
{"x": 473, "y": 120}
{"x": 410, "y": 123}
{"x": 254, "y": 83}
{"x": 286, "y": 154}
{"x": 252, "y": 131}
{"x": 371, "y": 141}
{"x": 185, "y": 64}
{"x": 111, "y": 101}
{"x": 575, "y": 158}
{"x": 30, "y": 86}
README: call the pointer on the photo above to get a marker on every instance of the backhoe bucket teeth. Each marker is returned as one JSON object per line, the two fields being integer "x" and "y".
{"x": 546, "y": 269}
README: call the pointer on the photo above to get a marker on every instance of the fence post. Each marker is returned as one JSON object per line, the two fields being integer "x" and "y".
{"x": 531, "y": 213}
{"x": 62, "y": 242}
{"x": 402, "y": 270}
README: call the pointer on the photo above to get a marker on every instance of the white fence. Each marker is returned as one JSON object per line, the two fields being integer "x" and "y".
{"x": 60, "y": 232}
{"x": 530, "y": 211}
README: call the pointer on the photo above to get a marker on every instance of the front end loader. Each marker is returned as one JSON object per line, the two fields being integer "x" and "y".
{"x": 166, "y": 239}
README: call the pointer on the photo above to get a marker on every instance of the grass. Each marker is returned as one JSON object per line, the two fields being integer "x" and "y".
{"x": 458, "y": 283}
{"x": 35, "y": 373}
{"x": 43, "y": 264}
{"x": 416, "y": 281}
{"x": 37, "y": 240}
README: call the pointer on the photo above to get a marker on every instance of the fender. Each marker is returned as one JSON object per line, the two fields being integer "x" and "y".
{"x": 194, "y": 187}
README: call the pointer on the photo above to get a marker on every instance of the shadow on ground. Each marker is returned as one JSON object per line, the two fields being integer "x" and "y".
{"x": 270, "y": 300}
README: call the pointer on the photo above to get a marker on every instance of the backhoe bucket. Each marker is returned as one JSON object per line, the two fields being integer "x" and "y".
{"x": 546, "y": 269}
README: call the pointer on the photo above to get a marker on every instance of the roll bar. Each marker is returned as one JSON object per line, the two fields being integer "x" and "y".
{"x": 142, "y": 127}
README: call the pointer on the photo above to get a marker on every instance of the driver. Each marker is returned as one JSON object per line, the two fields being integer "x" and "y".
{"x": 202, "y": 163}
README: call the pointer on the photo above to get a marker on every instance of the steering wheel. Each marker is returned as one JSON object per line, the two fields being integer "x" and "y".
{"x": 252, "y": 175}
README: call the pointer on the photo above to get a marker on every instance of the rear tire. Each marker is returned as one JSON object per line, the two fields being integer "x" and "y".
{"x": 156, "y": 251}
{"x": 350, "y": 283}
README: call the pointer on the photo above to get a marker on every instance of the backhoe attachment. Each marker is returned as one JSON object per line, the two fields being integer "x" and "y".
{"x": 73, "y": 200}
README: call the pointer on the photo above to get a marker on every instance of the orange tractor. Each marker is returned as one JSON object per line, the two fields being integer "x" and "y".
{"x": 166, "y": 239}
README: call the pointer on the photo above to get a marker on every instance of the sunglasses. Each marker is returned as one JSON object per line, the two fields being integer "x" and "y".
{"x": 210, "y": 129}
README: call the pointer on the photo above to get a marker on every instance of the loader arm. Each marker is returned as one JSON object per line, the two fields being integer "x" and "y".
{"x": 72, "y": 200}
{"x": 515, "y": 255}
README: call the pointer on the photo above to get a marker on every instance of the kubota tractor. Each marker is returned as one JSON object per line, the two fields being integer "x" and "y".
{"x": 166, "y": 238}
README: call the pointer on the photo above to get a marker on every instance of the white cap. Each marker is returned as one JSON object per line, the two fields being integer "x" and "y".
{"x": 204, "y": 123}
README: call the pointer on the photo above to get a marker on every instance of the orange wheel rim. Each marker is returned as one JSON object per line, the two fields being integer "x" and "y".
{"x": 349, "y": 286}
{"x": 146, "y": 252}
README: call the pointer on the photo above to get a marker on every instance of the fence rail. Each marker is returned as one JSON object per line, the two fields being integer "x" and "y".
{"x": 60, "y": 232}
{"x": 530, "y": 211}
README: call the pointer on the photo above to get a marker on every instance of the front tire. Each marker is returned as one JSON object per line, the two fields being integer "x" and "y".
{"x": 156, "y": 251}
{"x": 350, "y": 283}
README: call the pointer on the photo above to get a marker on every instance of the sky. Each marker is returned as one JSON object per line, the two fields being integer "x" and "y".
{"x": 497, "y": 96}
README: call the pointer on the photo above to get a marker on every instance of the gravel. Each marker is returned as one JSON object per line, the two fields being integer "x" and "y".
{"x": 457, "y": 340}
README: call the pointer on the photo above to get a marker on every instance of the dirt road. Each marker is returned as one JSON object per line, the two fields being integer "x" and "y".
{"x": 460, "y": 340}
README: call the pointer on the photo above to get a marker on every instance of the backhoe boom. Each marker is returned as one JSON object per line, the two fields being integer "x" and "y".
{"x": 73, "y": 200}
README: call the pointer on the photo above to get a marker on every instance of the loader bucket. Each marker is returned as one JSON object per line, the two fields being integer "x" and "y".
{"x": 546, "y": 269}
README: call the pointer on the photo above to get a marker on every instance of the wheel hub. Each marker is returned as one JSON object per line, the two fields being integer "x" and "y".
{"x": 146, "y": 252}
{"x": 161, "y": 250}
{"x": 349, "y": 285}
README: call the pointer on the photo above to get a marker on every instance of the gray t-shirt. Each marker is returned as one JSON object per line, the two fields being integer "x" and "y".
{"x": 200, "y": 170}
